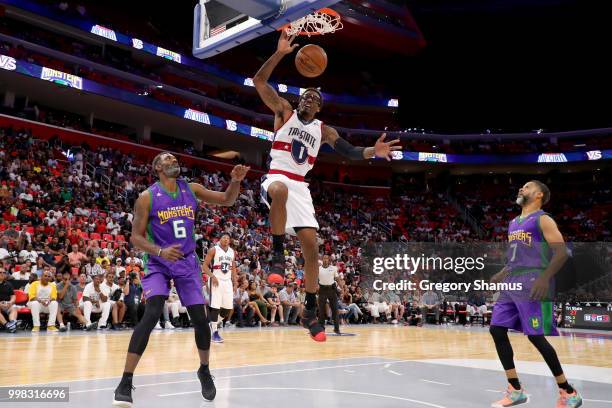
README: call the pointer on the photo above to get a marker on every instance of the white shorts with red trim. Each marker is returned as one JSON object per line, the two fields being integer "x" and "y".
{"x": 300, "y": 211}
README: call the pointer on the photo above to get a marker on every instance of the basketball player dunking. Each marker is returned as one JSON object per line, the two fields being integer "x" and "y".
{"x": 223, "y": 279}
{"x": 163, "y": 227}
{"x": 532, "y": 237}
{"x": 298, "y": 137}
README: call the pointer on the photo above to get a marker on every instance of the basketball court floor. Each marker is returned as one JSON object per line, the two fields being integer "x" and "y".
{"x": 380, "y": 366}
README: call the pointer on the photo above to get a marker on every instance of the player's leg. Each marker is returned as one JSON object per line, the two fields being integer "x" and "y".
{"x": 506, "y": 315}
{"x": 216, "y": 296}
{"x": 538, "y": 322}
{"x": 156, "y": 285}
{"x": 188, "y": 283}
{"x": 310, "y": 249}
{"x": 277, "y": 194}
{"x": 213, "y": 313}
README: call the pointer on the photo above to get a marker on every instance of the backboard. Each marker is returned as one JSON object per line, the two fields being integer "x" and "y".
{"x": 219, "y": 25}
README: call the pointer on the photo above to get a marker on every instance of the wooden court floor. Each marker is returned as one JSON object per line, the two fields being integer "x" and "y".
{"x": 46, "y": 358}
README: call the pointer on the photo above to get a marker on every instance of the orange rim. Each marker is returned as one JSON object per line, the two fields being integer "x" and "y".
{"x": 325, "y": 10}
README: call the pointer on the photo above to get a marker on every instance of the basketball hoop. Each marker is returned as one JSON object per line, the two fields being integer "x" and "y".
{"x": 323, "y": 21}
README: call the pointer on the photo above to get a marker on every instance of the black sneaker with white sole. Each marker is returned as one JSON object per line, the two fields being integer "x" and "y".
{"x": 123, "y": 395}
{"x": 209, "y": 391}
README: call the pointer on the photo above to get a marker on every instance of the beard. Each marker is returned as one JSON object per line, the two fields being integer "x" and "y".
{"x": 522, "y": 200}
{"x": 172, "y": 171}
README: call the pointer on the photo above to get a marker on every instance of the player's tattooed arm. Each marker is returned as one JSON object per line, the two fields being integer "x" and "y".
{"x": 139, "y": 228}
{"x": 280, "y": 106}
{"x": 227, "y": 197}
{"x": 380, "y": 149}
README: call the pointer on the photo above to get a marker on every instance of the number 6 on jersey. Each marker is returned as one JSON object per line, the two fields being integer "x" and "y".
{"x": 179, "y": 232}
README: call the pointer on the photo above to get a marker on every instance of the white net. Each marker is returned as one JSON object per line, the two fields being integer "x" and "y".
{"x": 317, "y": 23}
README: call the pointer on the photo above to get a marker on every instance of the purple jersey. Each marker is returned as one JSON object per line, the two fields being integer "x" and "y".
{"x": 527, "y": 248}
{"x": 172, "y": 217}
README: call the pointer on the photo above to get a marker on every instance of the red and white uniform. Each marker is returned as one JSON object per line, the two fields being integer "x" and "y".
{"x": 294, "y": 151}
{"x": 222, "y": 295}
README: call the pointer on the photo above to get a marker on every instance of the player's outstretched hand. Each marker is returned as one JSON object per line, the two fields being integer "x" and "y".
{"x": 384, "y": 149}
{"x": 172, "y": 253}
{"x": 285, "y": 45}
{"x": 239, "y": 172}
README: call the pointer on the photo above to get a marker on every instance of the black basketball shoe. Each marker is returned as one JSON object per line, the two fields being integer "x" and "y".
{"x": 209, "y": 391}
{"x": 123, "y": 394}
{"x": 311, "y": 322}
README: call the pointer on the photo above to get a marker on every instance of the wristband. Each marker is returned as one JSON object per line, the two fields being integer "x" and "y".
{"x": 159, "y": 252}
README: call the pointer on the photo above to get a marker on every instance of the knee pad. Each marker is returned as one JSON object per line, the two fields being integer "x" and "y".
{"x": 197, "y": 313}
{"x": 198, "y": 316}
{"x": 140, "y": 337}
{"x": 499, "y": 333}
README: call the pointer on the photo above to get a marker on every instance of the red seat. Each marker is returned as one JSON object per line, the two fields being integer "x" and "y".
{"x": 120, "y": 238}
{"x": 107, "y": 237}
{"x": 103, "y": 244}
{"x": 84, "y": 235}
{"x": 20, "y": 297}
{"x": 94, "y": 235}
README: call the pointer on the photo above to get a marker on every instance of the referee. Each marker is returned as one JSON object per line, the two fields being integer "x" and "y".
{"x": 327, "y": 292}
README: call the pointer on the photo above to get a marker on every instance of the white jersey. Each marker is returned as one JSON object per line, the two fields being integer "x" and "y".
{"x": 223, "y": 263}
{"x": 295, "y": 147}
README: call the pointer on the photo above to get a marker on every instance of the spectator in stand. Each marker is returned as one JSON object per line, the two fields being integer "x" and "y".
{"x": 274, "y": 304}
{"x": 119, "y": 267}
{"x": 430, "y": 303}
{"x": 95, "y": 300}
{"x": 257, "y": 302}
{"x": 377, "y": 306}
{"x": 7, "y": 303}
{"x": 42, "y": 297}
{"x": 80, "y": 286}
{"x": 115, "y": 296}
{"x": 39, "y": 268}
{"x": 76, "y": 258}
{"x": 133, "y": 267}
{"x": 23, "y": 273}
{"x": 133, "y": 297}
{"x": 92, "y": 268}
{"x": 67, "y": 295}
{"x": 241, "y": 304}
{"x": 58, "y": 277}
{"x": 47, "y": 256}
{"x": 173, "y": 305}
{"x": 291, "y": 305}
{"x": 28, "y": 254}
{"x": 33, "y": 278}
{"x": 103, "y": 256}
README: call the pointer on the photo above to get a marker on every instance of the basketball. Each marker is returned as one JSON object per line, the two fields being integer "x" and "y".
{"x": 275, "y": 279}
{"x": 311, "y": 61}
